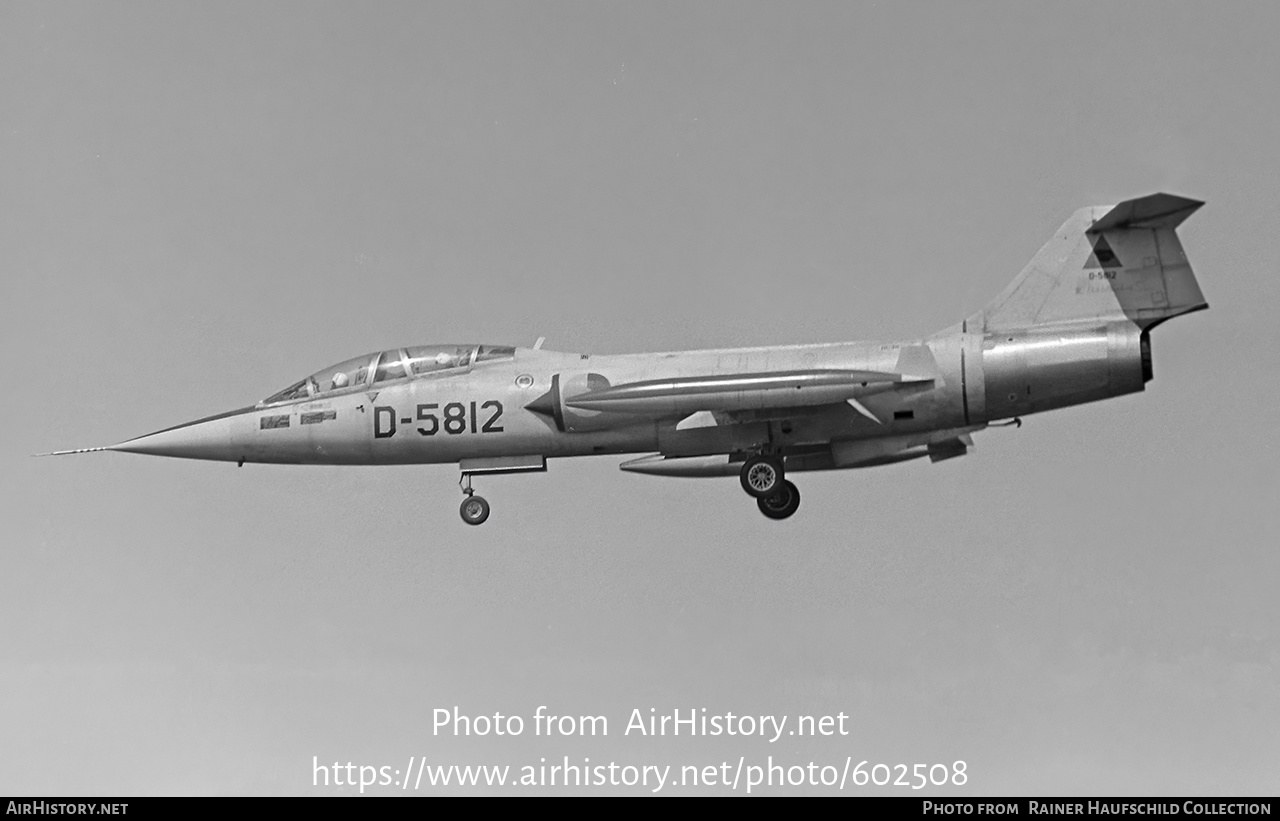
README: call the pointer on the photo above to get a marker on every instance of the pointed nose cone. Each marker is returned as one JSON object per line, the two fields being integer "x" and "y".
{"x": 208, "y": 438}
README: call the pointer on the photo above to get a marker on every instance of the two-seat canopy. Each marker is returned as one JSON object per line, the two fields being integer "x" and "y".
{"x": 387, "y": 366}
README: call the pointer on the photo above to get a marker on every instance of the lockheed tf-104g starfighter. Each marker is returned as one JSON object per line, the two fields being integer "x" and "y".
{"x": 1073, "y": 327}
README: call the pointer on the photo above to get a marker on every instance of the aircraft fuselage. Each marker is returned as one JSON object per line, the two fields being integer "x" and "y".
{"x": 1072, "y": 327}
{"x": 965, "y": 381}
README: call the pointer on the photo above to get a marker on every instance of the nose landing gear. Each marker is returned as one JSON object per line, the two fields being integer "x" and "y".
{"x": 474, "y": 509}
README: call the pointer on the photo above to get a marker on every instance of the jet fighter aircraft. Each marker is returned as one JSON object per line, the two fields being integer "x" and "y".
{"x": 1073, "y": 327}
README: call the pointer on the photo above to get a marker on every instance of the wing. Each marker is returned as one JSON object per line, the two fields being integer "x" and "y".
{"x": 937, "y": 445}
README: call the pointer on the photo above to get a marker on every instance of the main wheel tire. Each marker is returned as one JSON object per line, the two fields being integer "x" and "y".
{"x": 474, "y": 510}
{"x": 782, "y": 504}
{"x": 761, "y": 476}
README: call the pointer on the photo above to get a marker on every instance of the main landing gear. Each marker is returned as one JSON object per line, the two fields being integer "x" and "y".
{"x": 762, "y": 477}
{"x": 475, "y": 509}
{"x": 781, "y": 504}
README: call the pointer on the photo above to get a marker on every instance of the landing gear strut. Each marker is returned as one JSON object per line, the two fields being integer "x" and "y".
{"x": 474, "y": 509}
{"x": 781, "y": 504}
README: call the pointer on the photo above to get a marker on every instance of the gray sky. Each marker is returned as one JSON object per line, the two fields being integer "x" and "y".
{"x": 200, "y": 203}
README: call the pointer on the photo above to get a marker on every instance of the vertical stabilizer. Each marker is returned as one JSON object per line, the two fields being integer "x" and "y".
{"x": 1105, "y": 264}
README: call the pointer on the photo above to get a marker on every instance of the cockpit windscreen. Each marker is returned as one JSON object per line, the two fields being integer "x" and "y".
{"x": 397, "y": 363}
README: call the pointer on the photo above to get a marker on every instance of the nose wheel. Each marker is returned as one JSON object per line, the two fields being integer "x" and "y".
{"x": 474, "y": 509}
